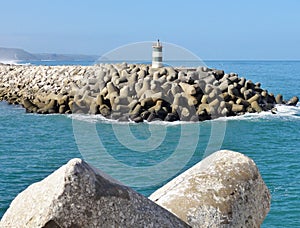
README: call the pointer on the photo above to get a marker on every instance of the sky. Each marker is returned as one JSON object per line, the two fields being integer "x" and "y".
{"x": 215, "y": 29}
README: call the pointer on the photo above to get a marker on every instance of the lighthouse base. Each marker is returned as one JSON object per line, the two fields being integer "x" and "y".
{"x": 157, "y": 64}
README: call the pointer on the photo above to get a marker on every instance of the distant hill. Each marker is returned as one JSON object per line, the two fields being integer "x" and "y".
{"x": 16, "y": 54}
{"x": 66, "y": 57}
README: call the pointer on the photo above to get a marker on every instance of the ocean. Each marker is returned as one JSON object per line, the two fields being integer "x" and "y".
{"x": 32, "y": 146}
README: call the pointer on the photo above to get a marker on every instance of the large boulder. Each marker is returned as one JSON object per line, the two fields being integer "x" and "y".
{"x": 223, "y": 190}
{"x": 77, "y": 195}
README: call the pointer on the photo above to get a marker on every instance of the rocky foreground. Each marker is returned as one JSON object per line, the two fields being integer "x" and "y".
{"x": 135, "y": 92}
{"x": 223, "y": 190}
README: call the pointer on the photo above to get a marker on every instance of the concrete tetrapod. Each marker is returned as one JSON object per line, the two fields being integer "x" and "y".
{"x": 78, "y": 195}
{"x": 223, "y": 190}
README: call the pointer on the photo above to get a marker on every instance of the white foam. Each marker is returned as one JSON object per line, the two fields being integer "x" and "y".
{"x": 288, "y": 110}
{"x": 283, "y": 111}
{"x": 102, "y": 119}
{"x": 91, "y": 118}
{"x": 11, "y": 62}
{"x": 177, "y": 122}
{"x": 14, "y": 62}
{"x": 23, "y": 64}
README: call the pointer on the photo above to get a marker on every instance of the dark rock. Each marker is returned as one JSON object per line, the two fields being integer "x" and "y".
{"x": 293, "y": 101}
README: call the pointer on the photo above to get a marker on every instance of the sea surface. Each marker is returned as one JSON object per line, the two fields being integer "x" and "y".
{"x": 33, "y": 146}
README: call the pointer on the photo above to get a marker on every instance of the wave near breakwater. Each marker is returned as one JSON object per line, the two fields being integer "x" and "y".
{"x": 135, "y": 92}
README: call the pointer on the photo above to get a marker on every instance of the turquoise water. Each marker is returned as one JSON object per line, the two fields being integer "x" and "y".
{"x": 32, "y": 146}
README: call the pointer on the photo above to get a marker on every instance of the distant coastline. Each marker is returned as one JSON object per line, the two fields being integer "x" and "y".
{"x": 16, "y": 55}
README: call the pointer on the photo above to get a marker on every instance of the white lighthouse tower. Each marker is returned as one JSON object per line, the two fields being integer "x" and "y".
{"x": 157, "y": 55}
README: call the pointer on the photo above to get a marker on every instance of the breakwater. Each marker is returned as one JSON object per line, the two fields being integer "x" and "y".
{"x": 135, "y": 92}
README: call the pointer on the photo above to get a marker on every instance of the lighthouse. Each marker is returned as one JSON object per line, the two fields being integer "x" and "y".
{"x": 157, "y": 55}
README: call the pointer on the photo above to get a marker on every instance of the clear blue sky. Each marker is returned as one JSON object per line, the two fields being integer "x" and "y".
{"x": 223, "y": 29}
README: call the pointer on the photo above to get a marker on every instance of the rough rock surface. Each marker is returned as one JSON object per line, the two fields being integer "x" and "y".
{"x": 223, "y": 190}
{"x": 135, "y": 92}
{"x": 77, "y": 195}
